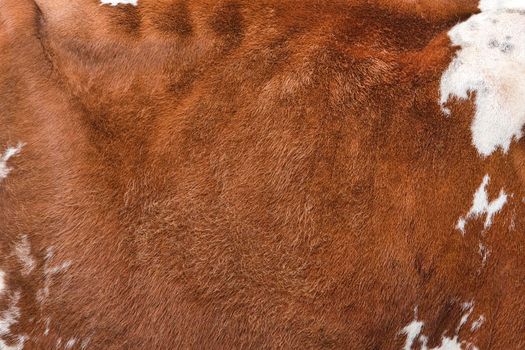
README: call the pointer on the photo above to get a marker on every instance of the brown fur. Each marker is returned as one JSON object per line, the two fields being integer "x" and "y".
{"x": 247, "y": 174}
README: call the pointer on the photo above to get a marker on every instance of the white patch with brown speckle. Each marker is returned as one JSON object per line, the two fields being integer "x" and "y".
{"x": 416, "y": 339}
{"x": 491, "y": 63}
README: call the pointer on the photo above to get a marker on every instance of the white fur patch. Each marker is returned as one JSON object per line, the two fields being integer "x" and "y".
{"x": 48, "y": 324}
{"x": 467, "y": 308}
{"x": 477, "y": 323}
{"x": 482, "y": 206}
{"x": 9, "y": 153}
{"x": 85, "y": 343}
{"x": 412, "y": 332}
{"x": 2, "y": 282}
{"x": 70, "y": 343}
{"x": 415, "y": 336}
{"x": 116, "y": 2}
{"x": 49, "y": 273}
{"x": 491, "y": 63}
{"x": 23, "y": 253}
{"x": 19, "y": 345}
{"x": 8, "y": 318}
{"x": 495, "y": 5}
{"x": 484, "y": 252}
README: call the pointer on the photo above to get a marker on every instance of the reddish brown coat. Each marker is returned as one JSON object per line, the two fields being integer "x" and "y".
{"x": 246, "y": 174}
